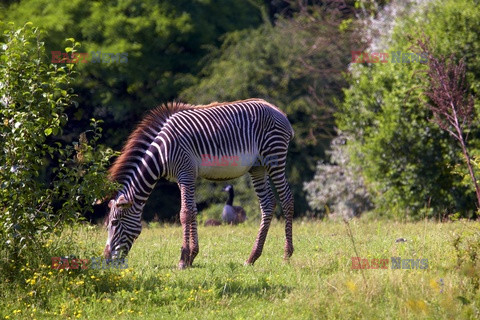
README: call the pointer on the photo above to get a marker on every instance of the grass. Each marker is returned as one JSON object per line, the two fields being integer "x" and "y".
{"x": 318, "y": 282}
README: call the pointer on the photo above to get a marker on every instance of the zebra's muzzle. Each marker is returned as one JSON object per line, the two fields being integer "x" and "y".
{"x": 107, "y": 252}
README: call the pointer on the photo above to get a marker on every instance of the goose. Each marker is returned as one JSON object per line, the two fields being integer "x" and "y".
{"x": 232, "y": 214}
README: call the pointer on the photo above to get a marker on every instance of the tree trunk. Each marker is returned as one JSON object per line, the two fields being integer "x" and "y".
{"x": 470, "y": 169}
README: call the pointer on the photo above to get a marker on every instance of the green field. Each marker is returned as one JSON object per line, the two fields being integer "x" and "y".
{"x": 318, "y": 282}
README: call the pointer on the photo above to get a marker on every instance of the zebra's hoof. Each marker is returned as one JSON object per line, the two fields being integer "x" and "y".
{"x": 246, "y": 263}
{"x": 288, "y": 252}
{"x": 182, "y": 266}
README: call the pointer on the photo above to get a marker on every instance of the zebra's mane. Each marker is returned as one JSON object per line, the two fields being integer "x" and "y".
{"x": 154, "y": 121}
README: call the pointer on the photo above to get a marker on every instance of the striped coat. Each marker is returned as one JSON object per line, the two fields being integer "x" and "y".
{"x": 219, "y": 141}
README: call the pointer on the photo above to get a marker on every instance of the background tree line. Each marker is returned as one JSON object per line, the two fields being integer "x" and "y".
{"x": 391, "y": 160}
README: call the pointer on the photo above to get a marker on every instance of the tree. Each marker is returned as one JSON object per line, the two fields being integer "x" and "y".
{"x": 453, "y": 107}
{"x": 296, "y": 64}
{"x": 165, "y": 42}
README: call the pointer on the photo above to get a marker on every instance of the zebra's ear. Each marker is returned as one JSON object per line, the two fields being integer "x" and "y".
{"x": 123, "y": 202}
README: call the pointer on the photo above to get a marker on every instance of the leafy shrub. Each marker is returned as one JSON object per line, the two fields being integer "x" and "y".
{"x": 34, "y": 203}
{"x": 467, "y": 248}
{"x": 338, "y": 186}
{"x": 406, "y": 160}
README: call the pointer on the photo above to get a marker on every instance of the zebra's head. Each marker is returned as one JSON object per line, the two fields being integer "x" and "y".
{"x": 123, "y": 225}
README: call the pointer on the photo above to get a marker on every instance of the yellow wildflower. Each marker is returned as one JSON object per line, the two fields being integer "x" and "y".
{"x": 434, "y": 284}
{"x": 351, "y": 285}
{"x": 417, "y": 305}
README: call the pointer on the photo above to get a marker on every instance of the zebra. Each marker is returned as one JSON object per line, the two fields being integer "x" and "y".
{"x": 174, "y": 140}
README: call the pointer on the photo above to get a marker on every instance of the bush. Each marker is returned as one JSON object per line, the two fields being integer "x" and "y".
{"x": 338, "y": 186}
{"x": 407, "y": 161}
{"x": 34, "y": 203}
{"x": 467, "y": 249}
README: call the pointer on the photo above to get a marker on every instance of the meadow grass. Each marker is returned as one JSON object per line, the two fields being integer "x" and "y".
{"x": 317, "y": 283}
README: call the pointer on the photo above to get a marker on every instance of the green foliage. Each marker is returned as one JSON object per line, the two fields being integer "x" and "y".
{"x": 80, "y": 180}
{"x": 467, "y": 248}
{"x": 33, "y": 97}
{"x": 254, "y": 63}
{"x": 295, "y": 65}
{"x": 164, "y": 41}
{"x": 406, "y": 159}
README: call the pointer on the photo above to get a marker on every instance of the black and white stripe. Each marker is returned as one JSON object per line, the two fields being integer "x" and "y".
{"x": 170, "y": 143}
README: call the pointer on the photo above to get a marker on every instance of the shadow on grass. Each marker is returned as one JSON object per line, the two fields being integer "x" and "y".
{"x": 221, "y": 286}
{"x": 259, "y": 290}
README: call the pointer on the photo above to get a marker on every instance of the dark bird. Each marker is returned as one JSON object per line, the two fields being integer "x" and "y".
{"x": 232, "y": 214}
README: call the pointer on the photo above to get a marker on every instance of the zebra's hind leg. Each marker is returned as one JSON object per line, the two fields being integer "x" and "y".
{"x": 194, "y": 247}
{"x": 267, "y": 206}
{"x": 286, "y": 198}
{"x": 186, "y": 212}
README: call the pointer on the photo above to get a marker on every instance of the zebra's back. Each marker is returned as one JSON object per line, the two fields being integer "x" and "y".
{"x": 223, "y": 141}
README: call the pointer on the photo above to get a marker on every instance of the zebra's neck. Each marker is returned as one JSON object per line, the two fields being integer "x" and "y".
{"x": 143, "y": 170}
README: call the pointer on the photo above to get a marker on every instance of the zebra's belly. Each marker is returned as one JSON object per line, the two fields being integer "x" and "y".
{"x": 225, "y": 167}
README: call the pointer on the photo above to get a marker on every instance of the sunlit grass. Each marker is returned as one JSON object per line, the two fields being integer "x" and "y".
{"x": 318, "y": 282}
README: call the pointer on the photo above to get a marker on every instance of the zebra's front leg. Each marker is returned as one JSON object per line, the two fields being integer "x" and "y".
{"x": 187, "y": 211}
{"x": 267, "y": 206}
